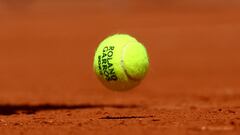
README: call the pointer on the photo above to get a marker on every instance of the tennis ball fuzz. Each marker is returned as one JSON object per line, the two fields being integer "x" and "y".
{"x": 121, "y": 62}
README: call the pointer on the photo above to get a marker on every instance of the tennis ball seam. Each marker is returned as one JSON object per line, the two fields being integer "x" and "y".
{"x": 123, "y": 65}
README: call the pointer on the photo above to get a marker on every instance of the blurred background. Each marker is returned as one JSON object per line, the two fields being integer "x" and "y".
{"x": 47, "y": 48}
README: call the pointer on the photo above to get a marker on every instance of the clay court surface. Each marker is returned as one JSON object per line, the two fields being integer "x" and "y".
{"x": 47, "y": 85}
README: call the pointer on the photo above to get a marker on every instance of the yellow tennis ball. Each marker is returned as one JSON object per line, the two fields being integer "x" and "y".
{"x": 121, "y": 62}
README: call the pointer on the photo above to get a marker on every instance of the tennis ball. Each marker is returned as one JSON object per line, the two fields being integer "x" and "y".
{"x": 120, "y": 62}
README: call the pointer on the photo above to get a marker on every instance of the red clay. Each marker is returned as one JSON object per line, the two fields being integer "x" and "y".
{"x": 47, "y": 85}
